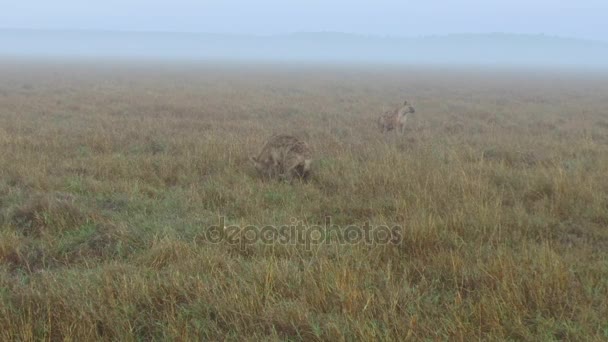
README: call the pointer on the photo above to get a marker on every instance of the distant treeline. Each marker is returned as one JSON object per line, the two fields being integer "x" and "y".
{"x": 469, "y": 49}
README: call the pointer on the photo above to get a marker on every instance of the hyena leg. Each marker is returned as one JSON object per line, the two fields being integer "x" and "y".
{"x": 300, "y": 172}
{"x": 288, "y": 175}
{"x": 402, "y": 129}
{"x": 403, "y": 124}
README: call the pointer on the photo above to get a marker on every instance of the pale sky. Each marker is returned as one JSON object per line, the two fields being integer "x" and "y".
{"x": 569, "y": 18}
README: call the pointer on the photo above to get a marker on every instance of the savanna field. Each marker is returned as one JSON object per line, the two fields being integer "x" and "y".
{"x": 111, "y": 175}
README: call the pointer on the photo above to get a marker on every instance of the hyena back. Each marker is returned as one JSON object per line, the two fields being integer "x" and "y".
{"x": 395, "y": 119}
{"x": 285, "y": 157}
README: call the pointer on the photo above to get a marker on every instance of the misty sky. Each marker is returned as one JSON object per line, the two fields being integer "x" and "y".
{"x": 570, "y": 18}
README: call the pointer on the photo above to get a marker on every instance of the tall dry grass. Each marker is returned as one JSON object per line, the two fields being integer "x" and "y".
{"x": 110, "y": 174}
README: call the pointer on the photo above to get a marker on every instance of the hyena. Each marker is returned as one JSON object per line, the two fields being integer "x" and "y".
{"x": 285, "y": 157}
{"x": 396, "y": 118}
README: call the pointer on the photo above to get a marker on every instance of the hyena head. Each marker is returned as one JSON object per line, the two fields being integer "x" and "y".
{"x": 302, "y": 170}
{"x": 263, "y": 166}
{"x": 256, "y": 163}
{"x": 406, "y": 109}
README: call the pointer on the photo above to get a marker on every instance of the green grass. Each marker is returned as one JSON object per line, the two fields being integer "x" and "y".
{"x": 110, "y": 177}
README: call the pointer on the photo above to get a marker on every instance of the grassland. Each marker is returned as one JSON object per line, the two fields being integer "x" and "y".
{"x": 111, "y": 174}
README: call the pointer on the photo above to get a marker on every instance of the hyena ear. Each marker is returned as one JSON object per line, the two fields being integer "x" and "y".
{"x": 405, "y": 103}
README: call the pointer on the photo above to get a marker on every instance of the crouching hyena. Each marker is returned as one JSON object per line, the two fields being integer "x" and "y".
{"x": 396, "y": 118}
{"x": 285, "y": 157}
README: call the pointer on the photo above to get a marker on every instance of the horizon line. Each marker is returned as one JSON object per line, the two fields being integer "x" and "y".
{"x": 283, "y": 34}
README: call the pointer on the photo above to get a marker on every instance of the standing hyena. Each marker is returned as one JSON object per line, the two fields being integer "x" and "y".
{"x": 396, "y": 118}
{"x": 284, "y": 156}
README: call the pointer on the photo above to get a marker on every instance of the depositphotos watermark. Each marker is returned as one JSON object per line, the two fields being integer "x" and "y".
{"x": 299, "y": 233}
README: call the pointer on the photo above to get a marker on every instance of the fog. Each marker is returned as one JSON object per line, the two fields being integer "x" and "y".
{"x": 534, "y": 33}
{"x": 466, "y": 49}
